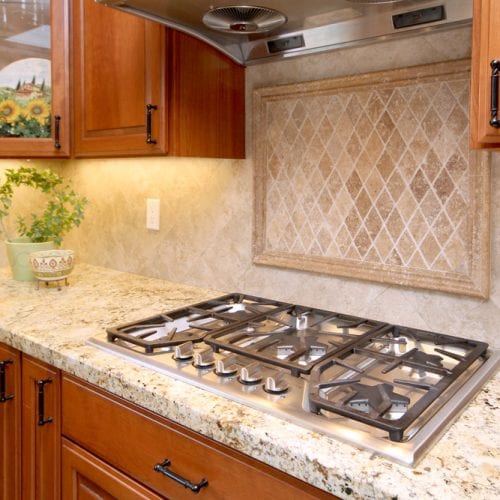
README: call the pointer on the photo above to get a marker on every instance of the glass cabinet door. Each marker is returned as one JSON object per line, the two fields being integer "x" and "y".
{"x": 34, "y": 75}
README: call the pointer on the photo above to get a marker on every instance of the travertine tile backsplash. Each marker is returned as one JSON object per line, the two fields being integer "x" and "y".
{"x": 207, "y": 207}
{"x": 372, "y": 177}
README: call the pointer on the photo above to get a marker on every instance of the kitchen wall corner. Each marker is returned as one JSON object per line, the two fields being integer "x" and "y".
{"x": 205, "y": 235}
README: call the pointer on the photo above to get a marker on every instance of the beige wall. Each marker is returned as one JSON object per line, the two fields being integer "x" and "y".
{"x": 207, "y": 214}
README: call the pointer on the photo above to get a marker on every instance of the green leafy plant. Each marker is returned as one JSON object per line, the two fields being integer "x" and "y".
{"x": 64, "y": 209}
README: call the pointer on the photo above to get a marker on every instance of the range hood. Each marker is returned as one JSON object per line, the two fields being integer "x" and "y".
{"x": 284, "y": 28}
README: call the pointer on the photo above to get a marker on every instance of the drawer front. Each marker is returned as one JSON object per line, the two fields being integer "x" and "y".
{"x": 135, "y": 441}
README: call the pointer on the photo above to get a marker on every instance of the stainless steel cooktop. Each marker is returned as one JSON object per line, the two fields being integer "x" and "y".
{"x": 386, "y": 388}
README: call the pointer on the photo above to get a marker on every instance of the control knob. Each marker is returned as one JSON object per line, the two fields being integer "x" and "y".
{"x": 226, "y": 367}
{"x": 204, "y": 358}
{"x": 183, "y": 352}
{"x": 251, "y": 374}
{"x": 276, "y": 384}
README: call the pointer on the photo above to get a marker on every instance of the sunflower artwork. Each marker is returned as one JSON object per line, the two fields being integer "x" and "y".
{"x": 25, "y": 111}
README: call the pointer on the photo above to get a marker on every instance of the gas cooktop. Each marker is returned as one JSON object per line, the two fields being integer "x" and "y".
{"x": 386, "y": 388}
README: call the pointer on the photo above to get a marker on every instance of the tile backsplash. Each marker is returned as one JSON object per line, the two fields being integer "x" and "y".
{"x": 371, "y": 177}
{"x": 205, "y": 235}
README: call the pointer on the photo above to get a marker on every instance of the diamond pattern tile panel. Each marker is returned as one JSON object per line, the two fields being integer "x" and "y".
{"x": 376, "y": 177}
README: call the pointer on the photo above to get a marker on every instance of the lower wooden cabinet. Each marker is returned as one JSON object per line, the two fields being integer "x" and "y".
{"x": 10, "y": 428}
{"x": 85, "y": 476}
{"x": 41, "y": 430}
{"x": 62, "y": 438}
{"x": 165, "y": 457}
{"x": 30, "y": 427}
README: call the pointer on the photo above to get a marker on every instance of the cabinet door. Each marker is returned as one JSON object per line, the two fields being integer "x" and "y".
{"x": 485, "y": 49}
{"x": 41, "y": 430}
{"x": 85, "y": 476}
{"x": 10, "y": 423}
{"x": 207, "y": 100}
{"x": 119, "y": 66}
{"x": 34, "y": 79}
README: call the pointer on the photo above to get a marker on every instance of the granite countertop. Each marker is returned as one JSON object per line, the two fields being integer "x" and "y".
{"x": 54, "y": 325}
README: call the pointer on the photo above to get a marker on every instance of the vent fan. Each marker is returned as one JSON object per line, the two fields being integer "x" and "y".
{"x": 243, "y": 19}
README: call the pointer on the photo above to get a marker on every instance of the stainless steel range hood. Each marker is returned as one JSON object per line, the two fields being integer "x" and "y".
{"x": 285, "y": 28}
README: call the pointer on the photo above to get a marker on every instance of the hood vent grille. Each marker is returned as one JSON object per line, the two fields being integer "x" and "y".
{"x": 243, "y": 19}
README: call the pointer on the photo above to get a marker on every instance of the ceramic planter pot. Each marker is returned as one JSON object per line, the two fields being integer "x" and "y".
{"x": 18, "y": 251}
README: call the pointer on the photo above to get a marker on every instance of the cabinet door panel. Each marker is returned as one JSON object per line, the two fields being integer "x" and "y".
{"x": 207, "y": 100}
{"x": 84, "y": 476}
{"x": 34, "y": 80}
{"x": 485, "y": 48}
{"x": 10, "y": 427}
{"x": 40, "y": 443}
{"x": 118, "y": 69}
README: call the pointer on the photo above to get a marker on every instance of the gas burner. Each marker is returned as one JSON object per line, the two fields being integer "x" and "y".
{"x": 376, "y": 399}
{"x": 294, "y": 338}
{"x": 190, "y": 324}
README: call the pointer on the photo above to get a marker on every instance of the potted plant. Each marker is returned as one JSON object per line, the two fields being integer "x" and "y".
{"x": 63, "y": 210}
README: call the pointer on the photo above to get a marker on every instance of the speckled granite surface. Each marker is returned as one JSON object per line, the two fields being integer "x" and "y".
{"x": 54, "y": 325}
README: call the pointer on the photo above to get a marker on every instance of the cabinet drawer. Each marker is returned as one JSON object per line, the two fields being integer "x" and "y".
{"x": 134, "y": 440}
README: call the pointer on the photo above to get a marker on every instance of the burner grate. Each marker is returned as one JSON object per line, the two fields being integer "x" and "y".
{"x": 190, "y": 324}
{"x": 295, "y": 338}
{"x": 360, "y": 381}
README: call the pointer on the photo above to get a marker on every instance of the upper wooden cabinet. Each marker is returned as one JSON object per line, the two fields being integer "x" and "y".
{"x": 34, "y": 79}
{"x": 206, "y": 100}
{"x": 118, "y": 69}
{"x": 485, "y": 49}
{"x": 122, "y": 64}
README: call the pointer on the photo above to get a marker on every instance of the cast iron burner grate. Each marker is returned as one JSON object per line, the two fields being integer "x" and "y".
{"x": 374, "y": 381}
{"x": 190, "y": 324}
{"x": 295, "y": 338}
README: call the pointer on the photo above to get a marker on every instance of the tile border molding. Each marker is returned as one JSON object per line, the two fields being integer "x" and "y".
{"x": 288, "y": 174}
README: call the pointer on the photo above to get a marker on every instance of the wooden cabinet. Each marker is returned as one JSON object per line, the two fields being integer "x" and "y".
{"x": 485, "y": 49}
{"x": 30, "y": 427}
{"x": 64, "y": 438}
{"x": 160, "y": 454}
{"x": 85, "y": 476}
{"x": 41, "y": 430}
{"x": 10, "y": 427}
{"x": 118, "y": 69}
{"x": 206, "y": 101}
{"x": 123, "y": 63}
{"x": 34, "y": 95}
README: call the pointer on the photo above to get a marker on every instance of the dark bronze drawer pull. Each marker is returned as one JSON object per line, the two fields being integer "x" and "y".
{"x": 149, "y": 112}
{"x": 162, "y": 468}
{"x": 495, "y": 69}
{"x": 41, "y": 401}
{"x": 3, "y": 397}
{"x": 57, "y": 120}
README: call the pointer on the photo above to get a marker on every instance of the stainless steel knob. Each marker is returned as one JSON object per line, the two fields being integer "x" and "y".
{"x": 183, "y": 352}
{"x": 226, "y": 367}
{"x": 204, "y": 358}
{"x": 251, "y": 374}
{"x": 276, "y": 384}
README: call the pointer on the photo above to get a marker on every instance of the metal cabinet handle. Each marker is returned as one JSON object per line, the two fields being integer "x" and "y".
{"x": 162, "y": 469}
{"x": 149, "y": 112}
{"x": 3, "y": 397}
{"x": 495, "y": 69}
{"x": 57, "y": 120}
{"x": 41, "y": 402}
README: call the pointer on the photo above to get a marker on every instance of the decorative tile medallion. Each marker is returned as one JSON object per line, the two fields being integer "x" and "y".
{"x": 371, "y": 177}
